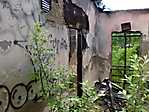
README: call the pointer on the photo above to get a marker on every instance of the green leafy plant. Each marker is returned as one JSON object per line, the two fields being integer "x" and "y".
{"x": 136, "y": 91}
{"x": 42, "y": 57}
{"x": 72, "y": 103}
{"x": 58, "y": 83}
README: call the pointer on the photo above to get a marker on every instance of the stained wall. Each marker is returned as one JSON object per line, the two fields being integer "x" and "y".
{"x": 17, "y": 18}
{"x": 138, "y": 18}
{"x": 96, "y": 58}
{"x": 111, "y": 21}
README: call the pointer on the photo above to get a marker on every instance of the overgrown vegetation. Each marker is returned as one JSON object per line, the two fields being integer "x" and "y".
{"x": 132, "y": 46}
{"x": 58, "y": 82}
{"x": 136, "y": 77}
{"x": 136, "y": 91}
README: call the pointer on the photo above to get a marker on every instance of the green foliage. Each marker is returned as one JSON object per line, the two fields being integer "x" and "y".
{"x": 58, "y": 82}
{"x": 72, "y": 103}
{"x": 118, "y": 50}
{"x": 118, "y": 56}
{"x": 42, "y": 57}
{"x": 136, "y": 91}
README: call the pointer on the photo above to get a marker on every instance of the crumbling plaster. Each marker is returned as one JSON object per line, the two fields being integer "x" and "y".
{"x": 17, "y": 18}
{"x": 96, "y": 59}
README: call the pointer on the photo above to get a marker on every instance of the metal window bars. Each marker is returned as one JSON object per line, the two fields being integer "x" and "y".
{"x": 46, "y": 6}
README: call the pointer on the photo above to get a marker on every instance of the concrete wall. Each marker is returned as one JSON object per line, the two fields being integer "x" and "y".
{"x": 109, "y": 22}
{"x": 57, "y": 33}
{"x": 59, "y": 41}
{"x": 16, "y": 21}
{"x": 17, "y": 18}
{"x": 96, "y": 59}
{"x": 139, "y": 20}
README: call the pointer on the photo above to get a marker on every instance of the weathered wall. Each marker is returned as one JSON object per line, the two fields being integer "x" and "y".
{"x": 58, "y": 40}
{"x": 96, "y": 59}
{"x": 109, "y": 22}
{"x": 16, "y": 21}
{"x": 58, "y": 33}
{"x": 17, "y": 18}
{"x": 139, "y": 20}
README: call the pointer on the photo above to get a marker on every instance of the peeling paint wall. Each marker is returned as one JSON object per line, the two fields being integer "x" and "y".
{"x": 17, "y": 18}
{"x": 57, "y": 32}
{"x": 96, "y": 59}
{"x": 16, "y": 21}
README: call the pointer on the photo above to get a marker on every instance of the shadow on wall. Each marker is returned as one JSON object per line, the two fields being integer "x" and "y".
{"x": 97, "y": 69}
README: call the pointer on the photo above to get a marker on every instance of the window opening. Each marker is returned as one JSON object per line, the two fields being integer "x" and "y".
{"x": 46, "y": 6}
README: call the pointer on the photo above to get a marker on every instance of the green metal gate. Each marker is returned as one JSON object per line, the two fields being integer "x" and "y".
{"x": 124, "y": 46}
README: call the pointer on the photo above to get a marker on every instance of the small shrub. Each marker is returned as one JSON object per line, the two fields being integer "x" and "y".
{"x": 136, "y": 92}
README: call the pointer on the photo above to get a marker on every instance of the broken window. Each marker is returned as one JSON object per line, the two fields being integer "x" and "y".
{"x": 46, "y": 6}
{"x": 124, "y": 46}
{"x": 126, "y": 26}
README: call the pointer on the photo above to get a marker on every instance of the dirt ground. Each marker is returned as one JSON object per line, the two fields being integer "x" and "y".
{"x": 34, "y": 107}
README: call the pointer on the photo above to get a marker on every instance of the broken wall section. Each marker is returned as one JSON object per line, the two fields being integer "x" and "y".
{"x": 138, "y": 18}
{"x": 96, "y": 58}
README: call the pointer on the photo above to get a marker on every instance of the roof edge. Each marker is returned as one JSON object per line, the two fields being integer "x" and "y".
{"x": 143, "y": 9}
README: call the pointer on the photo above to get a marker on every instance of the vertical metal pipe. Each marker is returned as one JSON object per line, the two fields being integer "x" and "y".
{"x": 79, "y": 63}
{"x": 125, "y": 60}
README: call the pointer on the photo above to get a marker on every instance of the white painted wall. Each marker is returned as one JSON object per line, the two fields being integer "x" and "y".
{"x": 16, "y": 23}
